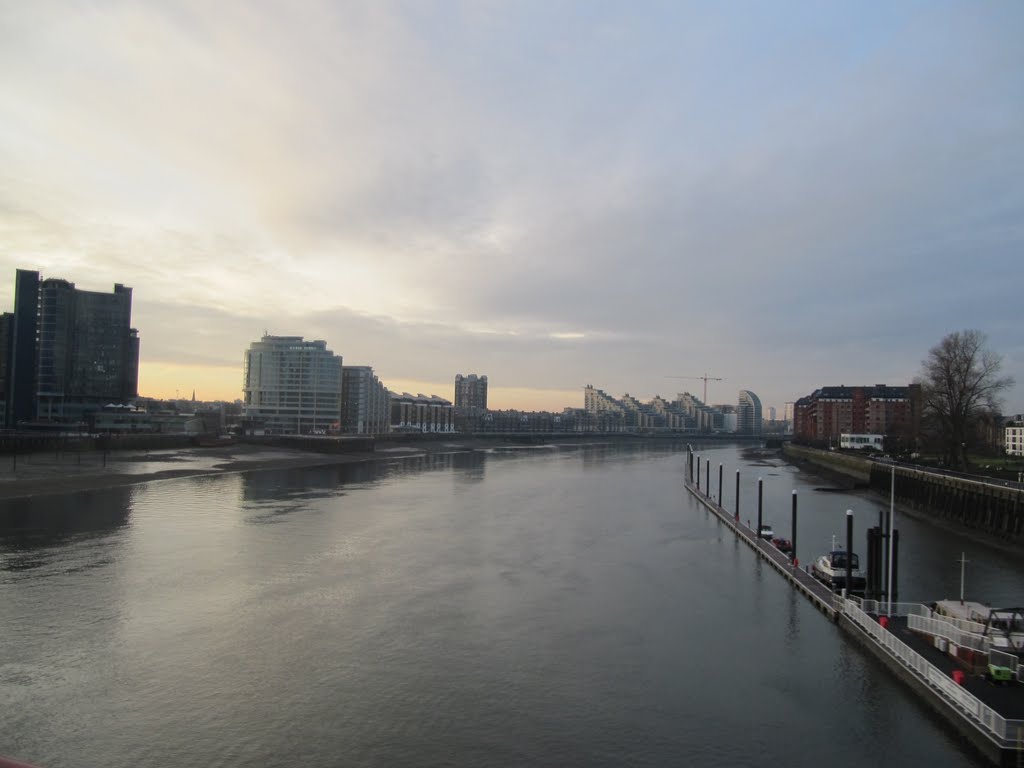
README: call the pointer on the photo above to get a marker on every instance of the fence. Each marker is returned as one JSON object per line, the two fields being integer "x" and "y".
{"x": 1002, "y": 730}
{"x": 881, "y": 608}
{"x": 948, "y": 630}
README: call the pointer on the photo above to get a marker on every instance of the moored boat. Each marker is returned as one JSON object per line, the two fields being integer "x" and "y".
{"x": 785, "y": 546}
{"x": 830, "y": 570}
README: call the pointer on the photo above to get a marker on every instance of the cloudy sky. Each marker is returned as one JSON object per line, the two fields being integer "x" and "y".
{"x": 784, "y": 195}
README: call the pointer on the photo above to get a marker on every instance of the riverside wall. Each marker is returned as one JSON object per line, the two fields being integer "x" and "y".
{"x": 982, "y": 505}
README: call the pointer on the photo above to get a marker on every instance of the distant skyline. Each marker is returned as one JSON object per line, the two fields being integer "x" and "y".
{"x": 783, "y": 195}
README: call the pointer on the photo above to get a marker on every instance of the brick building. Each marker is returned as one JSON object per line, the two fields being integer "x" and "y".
{"x": 826, "y": 413}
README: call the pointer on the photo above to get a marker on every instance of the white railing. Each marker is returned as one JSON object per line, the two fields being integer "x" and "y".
{"x": 881, "y": 608}
{"x": 918, "y": 609}
{"x": 952, "y": 633}
{"x": 998, "y": 726}
{"x": 965, "y": 624}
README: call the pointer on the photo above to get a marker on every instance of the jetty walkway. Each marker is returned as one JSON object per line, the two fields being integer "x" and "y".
{"x": 990, "y": 718}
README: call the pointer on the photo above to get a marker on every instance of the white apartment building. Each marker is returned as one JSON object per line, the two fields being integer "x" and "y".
{"x": 292, "y": 386}
{"x": 1015, "y": 439}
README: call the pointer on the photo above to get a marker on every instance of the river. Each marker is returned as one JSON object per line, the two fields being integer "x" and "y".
{"x": 544, "y": 607}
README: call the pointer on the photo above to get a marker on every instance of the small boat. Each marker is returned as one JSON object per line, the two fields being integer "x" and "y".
{"x": 785, "y": 546}
{"x": 830, "y": 570}
{"x": 766, "y": 532}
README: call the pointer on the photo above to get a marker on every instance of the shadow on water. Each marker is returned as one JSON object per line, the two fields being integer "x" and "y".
{"x": 31, "y": 526}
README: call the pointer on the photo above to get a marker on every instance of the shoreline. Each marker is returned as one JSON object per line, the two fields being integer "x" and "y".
{"x": 45, "y": 473}
{"x": 49, "y": 475}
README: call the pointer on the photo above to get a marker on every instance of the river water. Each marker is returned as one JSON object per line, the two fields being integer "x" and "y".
{"x": 543, "y": 607}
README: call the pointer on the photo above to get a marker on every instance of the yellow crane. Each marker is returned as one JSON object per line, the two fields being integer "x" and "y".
{"x": 705, "y": 378}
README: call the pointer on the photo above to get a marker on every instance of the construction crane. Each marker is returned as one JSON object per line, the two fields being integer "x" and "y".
{"x": 705, "y": 378}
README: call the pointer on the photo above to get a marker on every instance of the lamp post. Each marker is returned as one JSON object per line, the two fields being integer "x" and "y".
{"x": 963, "y": 562}
{"x": 892, "y": 521}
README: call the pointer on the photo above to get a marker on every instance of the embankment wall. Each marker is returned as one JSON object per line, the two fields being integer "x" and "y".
{"x": 982, "y": 505}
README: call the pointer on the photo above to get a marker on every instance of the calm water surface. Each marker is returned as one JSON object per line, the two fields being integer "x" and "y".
{"x": 562, "y": 606}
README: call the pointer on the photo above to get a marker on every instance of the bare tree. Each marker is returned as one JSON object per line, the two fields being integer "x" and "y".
{"x": 960, "y": 382}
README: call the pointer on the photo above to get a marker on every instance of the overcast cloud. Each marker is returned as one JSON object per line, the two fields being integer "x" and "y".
{"x": 785, "y": 195}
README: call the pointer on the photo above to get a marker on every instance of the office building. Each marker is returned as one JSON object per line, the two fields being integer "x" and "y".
{"x": 67, "y": 352}
{"x": 292, "y": 386}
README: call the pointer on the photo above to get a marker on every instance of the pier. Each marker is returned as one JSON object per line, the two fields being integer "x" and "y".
{"x": 990, "y": 718}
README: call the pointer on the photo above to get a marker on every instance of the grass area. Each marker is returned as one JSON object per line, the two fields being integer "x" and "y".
{"x": 1000, "y": 467}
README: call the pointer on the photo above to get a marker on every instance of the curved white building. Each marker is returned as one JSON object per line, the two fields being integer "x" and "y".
{"x": 292, "y": 386}
{"x": 748, "y": 414}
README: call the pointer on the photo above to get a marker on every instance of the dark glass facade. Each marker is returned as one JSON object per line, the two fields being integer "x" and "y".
{"x": 72, "y": 351}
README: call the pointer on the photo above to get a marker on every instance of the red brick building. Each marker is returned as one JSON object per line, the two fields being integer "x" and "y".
{"x": 825, "y": 414}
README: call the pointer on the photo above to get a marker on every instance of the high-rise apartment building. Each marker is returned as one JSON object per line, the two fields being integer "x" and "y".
{"x": 68, "y": 352}
{"x": 598, "y": 401}
{"x": 365, "y": 408}
{"x": 470, "y": 393}
{"x": 748, "y": 414}
{"x": 292, "y": 386}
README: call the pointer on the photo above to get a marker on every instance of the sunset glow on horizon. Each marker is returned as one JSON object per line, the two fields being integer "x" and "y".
{"x": 783, "y": 200}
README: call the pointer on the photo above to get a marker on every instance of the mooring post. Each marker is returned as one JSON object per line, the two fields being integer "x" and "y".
{"x": 849, "y": 550}
{"x": 737, "y": 495}
{"x": 719, "y": 485}
{"x": 894, "y": 571}
{"x": 698, "y": 473}
{"x": 792, "y": 554}
{"x": 760, "y": 492}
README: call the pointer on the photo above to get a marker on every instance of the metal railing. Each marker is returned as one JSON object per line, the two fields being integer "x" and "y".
{"x": 881, "y": 608}
{"x": 974, "y": 627}
{"x": 950, "y": 631}
{"x": 1003, "y": 730}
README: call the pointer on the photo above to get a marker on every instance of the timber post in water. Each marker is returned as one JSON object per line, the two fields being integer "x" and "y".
{"x": 849, "y": 552}
{"x": 760, "y": 496}
{"x": 792, "y": 528}
{"x": 737, "y": 495}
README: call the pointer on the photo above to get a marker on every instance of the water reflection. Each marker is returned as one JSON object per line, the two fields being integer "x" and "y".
{"x": 33, "y": 529}
{"x": 542, "y": 607}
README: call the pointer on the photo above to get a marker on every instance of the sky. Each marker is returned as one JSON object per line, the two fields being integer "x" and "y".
{"x": 781, "y": 195}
